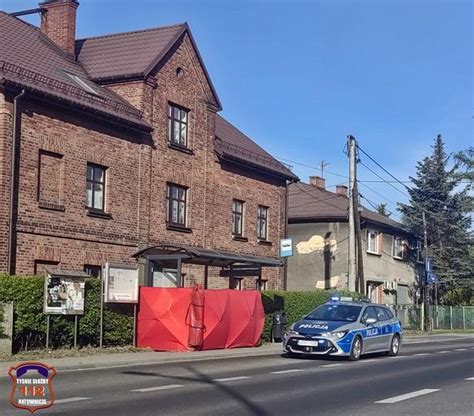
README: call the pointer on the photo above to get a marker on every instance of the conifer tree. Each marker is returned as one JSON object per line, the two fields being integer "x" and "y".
{"x": 437, "y": 191}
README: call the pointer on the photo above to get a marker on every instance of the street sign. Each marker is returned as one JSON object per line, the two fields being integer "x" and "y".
{"x": 428, "y": 265}
{"x": 431, "y": 277}
{"x": 286, "y": 247}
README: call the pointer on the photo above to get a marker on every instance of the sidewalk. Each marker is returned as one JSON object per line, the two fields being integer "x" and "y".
{"x": 102, "y": 361}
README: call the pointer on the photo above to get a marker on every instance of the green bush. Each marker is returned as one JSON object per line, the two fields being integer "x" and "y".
{"x": 29, "y": 322}
{"x": 294, "y": 304}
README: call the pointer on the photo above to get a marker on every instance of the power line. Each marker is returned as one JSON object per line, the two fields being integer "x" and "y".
{"x": 388, "y": 183}
{"x": 312, "y": 167}
{"x": 379, "y": 194}
{"x": 381, "y": 167}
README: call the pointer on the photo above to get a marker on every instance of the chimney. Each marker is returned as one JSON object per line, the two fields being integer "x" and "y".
{"x": 318, "y": 182}
{"x": 58, "y": 23}
{"x": 341, "y": 190}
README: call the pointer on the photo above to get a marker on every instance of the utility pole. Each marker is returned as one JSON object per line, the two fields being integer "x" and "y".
{"x": 360, "y": 281}
{"x": 351, "y": 145}
{"x": 425, "y": 287}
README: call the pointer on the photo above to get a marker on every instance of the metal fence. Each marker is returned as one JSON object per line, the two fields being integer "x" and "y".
{"x": 442, "y": 317}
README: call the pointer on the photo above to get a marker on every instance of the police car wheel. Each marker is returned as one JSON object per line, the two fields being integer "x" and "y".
{"x": 356, "y": 349}
{"x": 394, "y": 346}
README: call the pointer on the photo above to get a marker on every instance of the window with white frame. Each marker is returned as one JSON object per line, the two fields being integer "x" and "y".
{"x": 398, "y": 247}
{"x": 373, "y": 242}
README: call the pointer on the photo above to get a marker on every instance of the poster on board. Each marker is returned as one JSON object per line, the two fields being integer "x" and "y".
{"x": 64, "y": 294}
{"x": 121, "y": 284}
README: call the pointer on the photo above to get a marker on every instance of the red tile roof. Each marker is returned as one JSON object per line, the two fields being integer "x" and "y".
{"x": 309, "y": 203}
{"x": 29, "y": 59}
{"x": 232, "y": 143}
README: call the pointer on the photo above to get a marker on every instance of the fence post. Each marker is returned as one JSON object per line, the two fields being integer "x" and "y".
{"x": 437, "y": 317}
{"x": 422, "y": 316}
{"x": 451, "y": 317}
{"x": 463, "y": 317}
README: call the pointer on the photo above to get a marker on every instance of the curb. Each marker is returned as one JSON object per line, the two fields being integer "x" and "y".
{"x": 243, "y": 354}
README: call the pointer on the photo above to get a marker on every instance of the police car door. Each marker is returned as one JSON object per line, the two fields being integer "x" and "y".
{"x": 385, "y": 328}
{"x": 371, "y": 333}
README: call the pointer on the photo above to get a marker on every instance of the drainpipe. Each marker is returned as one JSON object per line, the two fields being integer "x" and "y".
{"x": 13, "y": 191}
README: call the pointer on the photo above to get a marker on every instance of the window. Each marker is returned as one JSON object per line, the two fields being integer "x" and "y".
{"x": 177, "y": 126}
{"x": 95, "y": 188}
{"x": 373, "y": 242}
{"x": 262, "y": 222}
{"x": 82, "y": 84}
{"x": 237, "y": 217}
{"x": 93, "y": 271}
{"x": 235, "y": 283}
{"x": 398, "y": 248}
{"x": 381, "y": 314}
{"x": 261, "y": 285}
{"x": 41, "y": 266}
{"x": 176, "y": 205}
{"x": 369, "y": 312}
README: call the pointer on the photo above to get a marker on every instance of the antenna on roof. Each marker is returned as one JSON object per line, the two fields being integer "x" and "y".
{"x": 322, "y": 165}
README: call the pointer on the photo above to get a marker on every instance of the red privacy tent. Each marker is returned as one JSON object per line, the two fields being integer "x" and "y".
{"x": 181, "y": 319}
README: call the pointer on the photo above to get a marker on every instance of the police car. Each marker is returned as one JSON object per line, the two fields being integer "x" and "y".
{"x": 347, "y": 328}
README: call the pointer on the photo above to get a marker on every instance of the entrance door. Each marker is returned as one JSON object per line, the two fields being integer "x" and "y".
{"x": 371, "y": 332}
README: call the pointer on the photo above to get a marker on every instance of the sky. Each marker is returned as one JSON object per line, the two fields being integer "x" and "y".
{"x": 298, "y": 76}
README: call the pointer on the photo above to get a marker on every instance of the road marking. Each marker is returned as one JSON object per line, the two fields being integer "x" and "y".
{"x": 422, "y": 353}
{"x": 332, "y": 365}
{"x": 231, "y": 378}
{"x": 442, "y": 352}
{"x": 369, "y": 361}
{"x": 399, "y": 356}
{"x": 460, "y": 349}
{"x": 71, "y": 399}
{"x": 157, "y": 388}
{"x": 294, "y": 370}
{"x": 407, "y": 396}
{"x": 469, "y": 379}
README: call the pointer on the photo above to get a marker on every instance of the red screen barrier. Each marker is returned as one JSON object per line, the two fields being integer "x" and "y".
{"x": 168, "y": 319}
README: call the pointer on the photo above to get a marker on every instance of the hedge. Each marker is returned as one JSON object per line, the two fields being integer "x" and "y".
{"x": 29, "y": 321}
{"x": 294, "y": 304}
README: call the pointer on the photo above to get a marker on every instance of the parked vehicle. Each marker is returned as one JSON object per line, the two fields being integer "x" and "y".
{"x": 343, "y": 327}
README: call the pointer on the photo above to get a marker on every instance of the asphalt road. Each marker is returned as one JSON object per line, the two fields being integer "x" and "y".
{"x": 426, "y": 379}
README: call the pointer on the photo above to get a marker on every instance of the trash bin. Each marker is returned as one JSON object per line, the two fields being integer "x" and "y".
{"x": 278, "y": 327}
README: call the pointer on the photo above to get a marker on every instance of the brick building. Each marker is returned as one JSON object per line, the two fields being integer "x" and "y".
{"x": 112, "y": 144}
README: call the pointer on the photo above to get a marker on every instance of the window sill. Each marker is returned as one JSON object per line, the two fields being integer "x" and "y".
{"x": 180, "y": 148}
{"x": 398, "y": 258}
{"x": 264, "y": 242}
{"x": 373, "y": 253}
{"x": 239, "y": 238}
{"x": 95, "y": 213}
{"x": 180, "y": 228}
{"x": 51, "y": 206}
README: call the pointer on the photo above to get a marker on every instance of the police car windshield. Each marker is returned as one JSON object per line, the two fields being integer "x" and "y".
{"x": 348, "y": 313}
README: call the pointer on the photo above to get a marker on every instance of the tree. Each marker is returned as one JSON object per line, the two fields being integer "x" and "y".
{"x": 382, "y": 210}
{"x": 437, "y": 190}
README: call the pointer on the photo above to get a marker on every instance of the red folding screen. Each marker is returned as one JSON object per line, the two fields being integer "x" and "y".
{"x": 180, "y": 319}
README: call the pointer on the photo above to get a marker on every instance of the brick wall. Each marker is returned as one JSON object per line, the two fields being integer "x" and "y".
{"x": 138, "y": 170}
{"x": 5, "y": 156}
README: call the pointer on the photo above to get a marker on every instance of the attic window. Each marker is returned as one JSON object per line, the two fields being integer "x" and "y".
{"x": 83, "y": 85}
{"x": 179, "y": 72}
